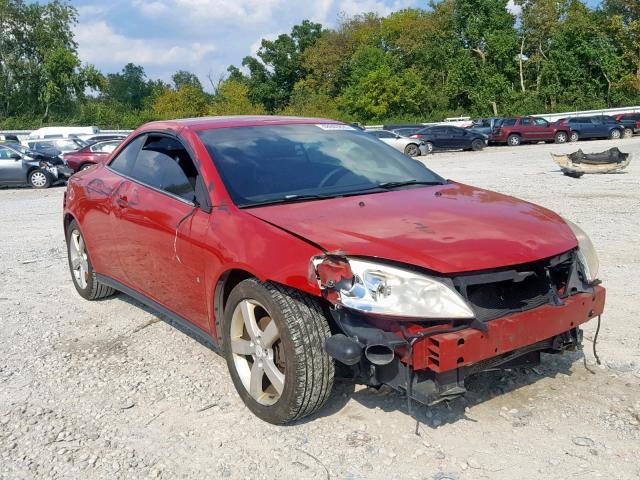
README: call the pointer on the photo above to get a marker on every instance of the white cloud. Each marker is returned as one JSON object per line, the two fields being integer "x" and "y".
{"x": 513, "y": 8}
{"x": 99, "y": 43}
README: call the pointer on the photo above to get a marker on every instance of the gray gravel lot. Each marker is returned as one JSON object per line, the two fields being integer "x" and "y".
{"x": 109, "y": 390}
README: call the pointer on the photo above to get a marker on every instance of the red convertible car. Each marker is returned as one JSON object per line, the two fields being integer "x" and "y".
{"x": 297, "y": 244}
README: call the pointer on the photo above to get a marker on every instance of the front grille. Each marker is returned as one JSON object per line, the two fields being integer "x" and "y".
{"x": 498, "y": 293}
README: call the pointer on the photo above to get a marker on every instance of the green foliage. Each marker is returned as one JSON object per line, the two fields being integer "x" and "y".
{"x": 451, "y": 58}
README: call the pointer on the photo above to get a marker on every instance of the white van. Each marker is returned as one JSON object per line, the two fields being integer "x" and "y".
{"x": 64, "y": 132}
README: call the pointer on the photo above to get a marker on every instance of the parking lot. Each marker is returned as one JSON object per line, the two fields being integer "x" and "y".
{"x": 107, "y": 389}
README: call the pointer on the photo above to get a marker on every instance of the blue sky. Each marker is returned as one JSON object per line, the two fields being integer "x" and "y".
{"x": 202, "y": 36}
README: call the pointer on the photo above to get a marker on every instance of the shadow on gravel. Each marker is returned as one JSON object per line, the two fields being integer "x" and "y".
{"x": 481, "y": 387}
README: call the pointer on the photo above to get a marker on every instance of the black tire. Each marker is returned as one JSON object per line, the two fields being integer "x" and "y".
{"x": 477, "y": 145}
{"x": 412, "y": 150}
{"x": 39, "y": 178}
{"x": 615, "y": 134}
{"x": 575, "y": 136}
{"x": 514, "y": 140}
{"x": 429, "y": 147}
{"x": 561, "y": 137}
{"x": 94, "y": 290}
{"x": 628, "y": 133}
{"x": 303, "y": 330}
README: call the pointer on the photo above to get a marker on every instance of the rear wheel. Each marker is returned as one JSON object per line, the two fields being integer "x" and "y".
{"x": 273, "y": 340}
{"x": 615, "y": 134}
{"x": 428, "y": 147}
{"x": 39, "y": 179}
{"x": 412, "y": 150}
{"x": 561, "y": 137}
{"x": 628, "y": 133}
{"x": 477, "y": 145}
{"x": 514, "y": 140}
{"x": 575, "y": 136}
{"x": 82, "y": 274}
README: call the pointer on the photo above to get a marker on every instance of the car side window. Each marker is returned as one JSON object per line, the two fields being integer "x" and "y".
{"x": 124, "y": 161}
{"x": 509, "y": 122}
{"x": 165, "y": 164}
{"x": 525, "y": 121}
{"x": 5, "y": 153}
{"x": 540, "y": 122}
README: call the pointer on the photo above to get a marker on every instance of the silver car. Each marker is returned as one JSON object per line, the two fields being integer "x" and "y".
{"x": 408, "y": 146}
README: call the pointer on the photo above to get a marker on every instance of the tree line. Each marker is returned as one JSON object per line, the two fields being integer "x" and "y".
{"x": 455, "y": 57}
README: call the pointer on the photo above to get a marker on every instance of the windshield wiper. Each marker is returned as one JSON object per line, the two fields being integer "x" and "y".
{"x": 390, "y": 185}
{"x": 289, "y": 199}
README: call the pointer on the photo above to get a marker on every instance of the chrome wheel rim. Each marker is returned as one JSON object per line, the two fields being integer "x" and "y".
{"x": 257, "y": 352}
{"x": 514, "y": 141}
{"x": 38, "y": 179}
{"x": 562, "y": 138}
{"x": 79, "y": 259}
{"x": 412, "y": 151}
{"x": 615, "y": 134}
{"x": 574, "y": 137}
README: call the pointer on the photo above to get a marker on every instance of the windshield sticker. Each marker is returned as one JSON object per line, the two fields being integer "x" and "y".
{"x": 334, "y": 126}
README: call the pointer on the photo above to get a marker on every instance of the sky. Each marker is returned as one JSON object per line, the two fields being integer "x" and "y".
{"x": 201, "y": 36}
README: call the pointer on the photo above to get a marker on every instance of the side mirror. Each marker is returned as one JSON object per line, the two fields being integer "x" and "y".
{"x": 203, "y": 200}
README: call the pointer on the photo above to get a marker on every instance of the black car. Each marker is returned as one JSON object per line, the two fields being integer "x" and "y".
{"x": 443, "y": 137}
{"x": 20, "y": 166}
{"x": 630, "y": 121}
{"x": 601, "y": 126}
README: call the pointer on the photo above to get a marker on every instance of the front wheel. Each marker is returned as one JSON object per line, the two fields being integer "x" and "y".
{"x": 412, "y": 150}
{"x": 39, "y": 179}
{"x": 477, "y": 145}
{"x": 575, "y": 136}
{"x": 273, "y": 341}
{"x": 561, "y": 137}
{"x": 615, "y": 134}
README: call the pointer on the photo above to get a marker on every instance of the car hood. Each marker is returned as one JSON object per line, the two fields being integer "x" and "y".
{"x": 450, "y": 228}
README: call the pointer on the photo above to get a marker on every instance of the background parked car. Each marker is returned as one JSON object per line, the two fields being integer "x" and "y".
{"x": 9, "y": 138}
{"x": 20, "y": 166}
{"x": 407, "y": 131}
{"x": 483, "y": 126}
{"x": 90, "y": 155}
{"x": 630, "y": 121}
{"x": 592, "y": 127}
{"x": 56, "y": 146}
{"x": 449, "y": 138}
{"x": 408, "y": 146}
{"x": 517, "y": 130}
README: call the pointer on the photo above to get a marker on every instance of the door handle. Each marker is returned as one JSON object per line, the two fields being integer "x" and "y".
{"x": 122, "y": 201}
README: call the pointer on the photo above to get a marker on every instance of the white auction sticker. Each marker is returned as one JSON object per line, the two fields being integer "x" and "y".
{"x": 334, "y": 126}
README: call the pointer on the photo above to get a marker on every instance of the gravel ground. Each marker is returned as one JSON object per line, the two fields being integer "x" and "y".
{"x": 108, "y": 390}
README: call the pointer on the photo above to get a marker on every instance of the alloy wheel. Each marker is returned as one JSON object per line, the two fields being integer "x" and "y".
{"x": 575, "y": 137}
{"x": 615, "y": 134}
{"x": 257, "y": 351}
{"x": 79, "y": 259}
{"x": 412, "y": 150}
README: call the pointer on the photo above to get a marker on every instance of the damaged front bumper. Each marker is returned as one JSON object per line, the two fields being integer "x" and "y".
{"x": 430, "y": 363}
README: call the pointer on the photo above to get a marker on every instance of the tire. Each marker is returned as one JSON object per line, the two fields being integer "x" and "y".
{"x": 429, "y": 147}
{"x": 514, "y": 140}
{"x": 477, "y": 145}
{"x": 80, "y": 267}
{"x": 561, "y": 137}
{"x": 412, "y": 150}
{"x": 615, "y": 134}
{"x": 39, "y": 179}
{"x": 575, "y": 136}
{"x": 628, "y": 133}
{"x": 86, "y": 166}
{"x": 294, "y": 366}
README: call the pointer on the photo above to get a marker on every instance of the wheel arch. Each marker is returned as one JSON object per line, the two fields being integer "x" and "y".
{"x": 225, "y": 284}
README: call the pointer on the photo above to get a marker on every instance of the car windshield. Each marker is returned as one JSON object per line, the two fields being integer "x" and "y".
{"x": 282, "y": 163}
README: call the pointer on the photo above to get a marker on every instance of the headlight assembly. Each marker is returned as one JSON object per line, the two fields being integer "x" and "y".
{"x": 587, "y": 255}
{"x": 385, "y": 290}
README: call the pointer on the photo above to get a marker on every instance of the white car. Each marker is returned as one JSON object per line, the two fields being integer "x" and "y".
{"x": 409, "y": 146}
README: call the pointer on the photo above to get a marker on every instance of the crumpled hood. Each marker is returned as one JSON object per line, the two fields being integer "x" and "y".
{"x": 449, "y": 228}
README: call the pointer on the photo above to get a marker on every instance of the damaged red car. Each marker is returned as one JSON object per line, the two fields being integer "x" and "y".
{"x": 294, "y": 245}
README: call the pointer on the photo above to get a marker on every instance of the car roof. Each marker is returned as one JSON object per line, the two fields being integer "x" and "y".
{"x": 207, "y": 123}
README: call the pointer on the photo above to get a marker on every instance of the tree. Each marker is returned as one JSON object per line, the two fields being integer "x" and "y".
{"x": 232, "y": 98}
{"x": 183, "y": 78}
{"x": 187, "y": 102}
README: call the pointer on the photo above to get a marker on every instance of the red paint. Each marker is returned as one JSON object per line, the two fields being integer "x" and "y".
{"x": 130, "y": 232}
{"x": 84, "y": 156}
{"x": 529, "y": 133}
